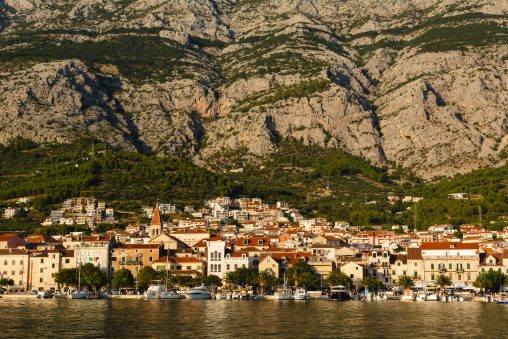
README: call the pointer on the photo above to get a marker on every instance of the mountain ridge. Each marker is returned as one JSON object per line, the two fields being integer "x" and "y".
{"x": 417, "y": 84}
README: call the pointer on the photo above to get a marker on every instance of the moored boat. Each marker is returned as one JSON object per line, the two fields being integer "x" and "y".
{"x": 170, "y": 295}
{"x": 339, "y": 293}
{"x": 301, "y": 294}
{"x": 198, "y": 293}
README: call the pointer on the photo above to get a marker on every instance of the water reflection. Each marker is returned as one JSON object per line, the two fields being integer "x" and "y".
{"x": 234, "y": 319}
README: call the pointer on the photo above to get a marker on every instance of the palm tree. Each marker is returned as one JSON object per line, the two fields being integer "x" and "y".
{"x": 405, "y": 281}
{"x": 263, "y": 278}
{"x": 443, "y": 281}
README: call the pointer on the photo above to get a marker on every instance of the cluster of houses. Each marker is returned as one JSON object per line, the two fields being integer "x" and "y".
{"x": 230, "y": 234}
{"x": 81, "y": 211}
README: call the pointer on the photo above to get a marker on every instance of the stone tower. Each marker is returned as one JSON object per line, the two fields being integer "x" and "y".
{"x": 155, "y": 228}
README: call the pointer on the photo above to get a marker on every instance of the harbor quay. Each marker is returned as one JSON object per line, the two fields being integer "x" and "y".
{"x": 246, "y": 249}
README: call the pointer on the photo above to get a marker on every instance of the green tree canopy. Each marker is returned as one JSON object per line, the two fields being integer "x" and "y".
{"x": 405, "y": 281}
{"x": 372, "y": 283}
{"x": 6, "y": 282}
{"x": 92, "y": 276}
{"x": 492, "y": 280}
{"x": 146, "y": 275}
{"x": 241, "y": 277}
{"x": 337, "y": 278}
{"x": 302, "y": 274}
{"x": 123, "y": 278}
{"x": 67, "y": 277}
{"x": 443, "y": 281}
{"x": 266, "y": 281}
{"x": 212, "y": 280}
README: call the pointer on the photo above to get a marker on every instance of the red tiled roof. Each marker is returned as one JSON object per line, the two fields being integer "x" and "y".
{"x": 6, "y": 237}
{"x": 12, "y": 251}
{"x": 448, "y": 246}
{"x": 138, "y": 246}
{"x": 156, "y": 217}
{"x": 414, "y": 253}
{"x": 41, "y": 238}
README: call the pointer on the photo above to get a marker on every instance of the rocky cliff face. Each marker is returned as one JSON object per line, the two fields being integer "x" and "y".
{"x": 420, "y": 84}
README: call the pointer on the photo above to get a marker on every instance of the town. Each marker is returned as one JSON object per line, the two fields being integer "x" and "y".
{"x": 230, "y": 235}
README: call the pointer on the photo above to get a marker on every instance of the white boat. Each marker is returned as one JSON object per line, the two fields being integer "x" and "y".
{"x": 408, "y": 296}
{"x": 284, "y": 293}
{"x": 154, "y": 291}
{"x": 79, "y": 295}
{"x": 421, "y": 296}
{"x": 301, "y": 294}
{"x": 198, "y": 293}
{"x": 432, "y": 297}
{"x": 170, "y": 295}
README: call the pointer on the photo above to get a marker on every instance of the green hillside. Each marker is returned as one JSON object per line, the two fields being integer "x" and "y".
{"x": 319, "y": 182}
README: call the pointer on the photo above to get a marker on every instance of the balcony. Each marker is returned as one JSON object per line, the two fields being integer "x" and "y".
{"x": 460, "y": 269}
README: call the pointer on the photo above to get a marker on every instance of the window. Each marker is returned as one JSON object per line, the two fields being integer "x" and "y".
{"x": 374, "y": 254}
{"x": 398, "y": 263}
{"x": 416, "y": 264}
{"x": 13, "y": 273}
{"x": 260, "y": 242}
{"x": 236, "y": 267}
{"x": 491, "y": 261}
{"x": 13, "y": 262}
{"x": 449, "y": 266}
{"x": 403, "y": 272}
{"x": 431, "y": 266}
{"x": 178, "y": 267}
{"x": 246, "y": 242}
{"x": 432, "y": 277}
{"x": 123, "y": 259}
{"x": 459, "y": 277}
{"x": 393, "y": 272}
{"x": 218, "y": 258}
{"x": 67, "y": 261}
{"x": 21, "y": 272}
{"x": 42, "y": 261}
{"x": 21, "y": 262}
{"x": 40, "y": 280}
{"x": 41, "y": 270}
{"x": 415, "y": 274}
{"x": 188, "y": 268}
{"x": 468, "y": 266}
{"x": 52, "y": 265}
{"x": 385, "y": 255}
{"x": 219, "y": 268}
{"x": 5, "y": 262}
{"x": 227, "y": 267}
{"x": 351, "y": 276}
{"x": 149, "y": 258}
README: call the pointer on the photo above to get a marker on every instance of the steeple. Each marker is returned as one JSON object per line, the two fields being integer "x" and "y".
{"x": 155, "y": 228}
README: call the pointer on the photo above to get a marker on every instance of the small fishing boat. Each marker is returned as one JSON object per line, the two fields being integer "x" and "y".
{"x": 301, "y": 294}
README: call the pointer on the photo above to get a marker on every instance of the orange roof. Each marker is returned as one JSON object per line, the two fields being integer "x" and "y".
{"x": 414, "y": 253}
{"x": 41, "y": 238}
{"x": 156, "y": 217}
{"x": 448, "y": 246}
{"x": 138, "y": 246}
{"x": 6, "y": 237}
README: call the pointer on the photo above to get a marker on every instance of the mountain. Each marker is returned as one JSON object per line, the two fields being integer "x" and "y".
{"x": 421, "y": 84}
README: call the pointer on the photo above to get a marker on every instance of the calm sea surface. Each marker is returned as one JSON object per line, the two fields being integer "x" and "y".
{"x": 247, "y": 319}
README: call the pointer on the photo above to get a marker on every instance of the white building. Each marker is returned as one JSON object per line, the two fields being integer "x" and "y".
{"x": 219, "y": 263}
{"x": 10, "y": 212}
